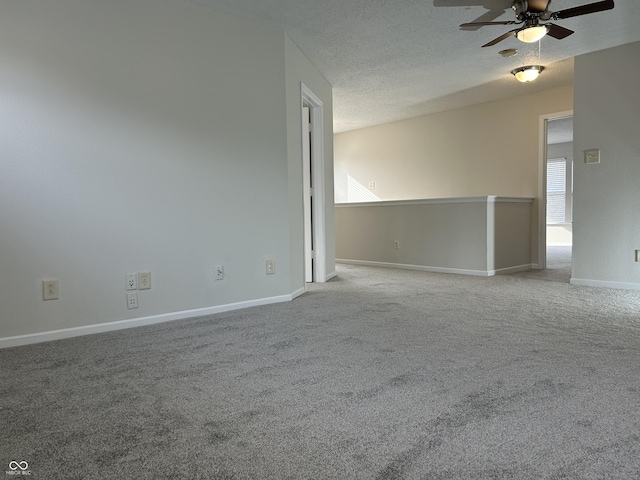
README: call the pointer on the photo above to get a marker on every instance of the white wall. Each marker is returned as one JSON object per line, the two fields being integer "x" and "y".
{"x": 606, "y": 221}
{"x": 487, "y": 149}
{"x": 300, "y": 69}
{"x": 140, "y": 135}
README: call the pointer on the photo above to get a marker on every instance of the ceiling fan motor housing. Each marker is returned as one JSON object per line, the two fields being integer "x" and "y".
{"x": 520, "y": 8}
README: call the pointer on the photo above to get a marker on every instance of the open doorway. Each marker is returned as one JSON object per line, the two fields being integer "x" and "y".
{"x": 559, "y": 194}
{"x": 312, "y": 114}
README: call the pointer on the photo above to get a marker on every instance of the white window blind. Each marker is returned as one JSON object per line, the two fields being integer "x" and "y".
{"x": 558, "y": 205}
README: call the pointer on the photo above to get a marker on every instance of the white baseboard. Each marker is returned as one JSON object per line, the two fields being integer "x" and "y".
{"x": 602, "y": 284}
{"x": 297, "y": 293}
{"x": 138, "y": 322}
{"x": 516, "y": 269}
{"x": 423, "y": 268}
{"x": 331, "y": 275}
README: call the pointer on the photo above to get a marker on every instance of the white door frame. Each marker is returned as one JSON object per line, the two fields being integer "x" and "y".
{"x": 309, "y": 99}
{"x": 542, "y": 185}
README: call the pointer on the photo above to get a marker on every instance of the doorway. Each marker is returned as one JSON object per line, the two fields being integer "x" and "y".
{"x": 558, "y": 189}
{"x": 312, "y": 117}
{"x": 307, "y": 191}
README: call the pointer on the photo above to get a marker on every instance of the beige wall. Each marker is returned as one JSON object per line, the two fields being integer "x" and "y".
{"x": 470, "y": 235}
{"x": 486, "y": 149}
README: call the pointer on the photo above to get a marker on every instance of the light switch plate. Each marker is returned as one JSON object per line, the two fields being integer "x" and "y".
{"x": 592, "y": 156}
{"x": 271, "y": 267}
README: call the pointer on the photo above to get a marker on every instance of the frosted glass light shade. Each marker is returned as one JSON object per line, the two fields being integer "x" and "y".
{"x": 527, "y": 74}
{"x": 532, "y": 34}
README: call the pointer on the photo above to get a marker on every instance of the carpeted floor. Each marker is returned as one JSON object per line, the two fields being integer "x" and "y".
{"x": 378, "y": 374}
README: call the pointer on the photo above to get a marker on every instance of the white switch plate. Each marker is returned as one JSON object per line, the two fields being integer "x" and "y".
{"x": 271, "y": 267}
{"x": 144, "y": 280}
{"x": 637, "y": 255}
{"x": 132, "y": 281}
{"x": 592, "y": 156}
{"x": 50, "y": 289}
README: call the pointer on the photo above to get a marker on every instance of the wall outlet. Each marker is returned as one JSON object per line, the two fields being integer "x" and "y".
{"x": 50, "y": 290}
{"x": 144, "y": 280}
{"x": 271, "y": 267}
{"x": 218, "y": 272}
{"x": 132, "y": 300}
{"x": 372, "y": 185}
{"x": 396, "y": 244}
{"x": 132, "y": 281}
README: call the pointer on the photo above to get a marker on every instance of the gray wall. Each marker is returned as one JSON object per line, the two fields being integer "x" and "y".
{"x": 472, "y": 235}
{"x": 606, "y": 221}
{"x": 144, "y": 136}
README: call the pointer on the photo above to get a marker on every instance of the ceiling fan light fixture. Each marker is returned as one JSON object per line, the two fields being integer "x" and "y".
{"x": 532, "y": 34}
{"x": 528, "y": 73}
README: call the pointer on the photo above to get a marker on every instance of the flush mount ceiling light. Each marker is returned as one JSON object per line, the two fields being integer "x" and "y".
{"x": 527, "y": 74}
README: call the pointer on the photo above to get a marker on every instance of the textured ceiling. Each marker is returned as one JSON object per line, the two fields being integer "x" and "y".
{"x": 393, "y": 59}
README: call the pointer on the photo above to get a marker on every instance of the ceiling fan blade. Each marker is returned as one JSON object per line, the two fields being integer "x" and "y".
{"x": 500, "y": 38}
{"x": 556, "y": 31}
{"x": 584, "y": 9}
{"x": 538, "y": 6}
{"x": 480, "y": 24}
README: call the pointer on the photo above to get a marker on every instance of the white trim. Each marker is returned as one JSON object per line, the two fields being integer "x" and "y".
{"x": 318, "y": 164}
{"x": 331, "y": 275}
{"x": 422, "y": 268}
{"x": 603, "y": 284}
{"x": 541, "y": 263}
{"x": 298, "y": 293}
{"x": 519, "y": 268}
{"x": 137, "y": 322}
{"x": 428, "y": 201}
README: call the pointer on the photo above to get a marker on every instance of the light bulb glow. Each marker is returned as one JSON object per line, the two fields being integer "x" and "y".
{"x": 527, "y": 74}
{"x": 532, "y": 34}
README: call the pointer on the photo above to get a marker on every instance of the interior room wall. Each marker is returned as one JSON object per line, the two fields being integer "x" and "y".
{"x": 486, "y": 149}
{"x": 146, "y": 135}
{"x": 606, "y": 222}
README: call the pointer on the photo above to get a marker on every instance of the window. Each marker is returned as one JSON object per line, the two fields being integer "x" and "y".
{"x": 559, "y": 190}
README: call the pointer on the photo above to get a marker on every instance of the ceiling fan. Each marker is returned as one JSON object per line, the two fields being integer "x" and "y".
{"x": 532, "y": 13}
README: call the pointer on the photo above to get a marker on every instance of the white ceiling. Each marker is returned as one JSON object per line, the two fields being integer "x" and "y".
{"x": 393, "y": 59}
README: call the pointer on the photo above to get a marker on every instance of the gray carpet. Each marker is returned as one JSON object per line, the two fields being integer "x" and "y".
{"x": 378, "y": 374}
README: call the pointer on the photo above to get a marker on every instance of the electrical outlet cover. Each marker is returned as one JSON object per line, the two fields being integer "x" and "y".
{"x": 218, "y": 271}
{"x": 50, "y": 289}
{"x": 144, "y": 280}
{"x": 132, "y": 281}
{"x": 132, "y": 300}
